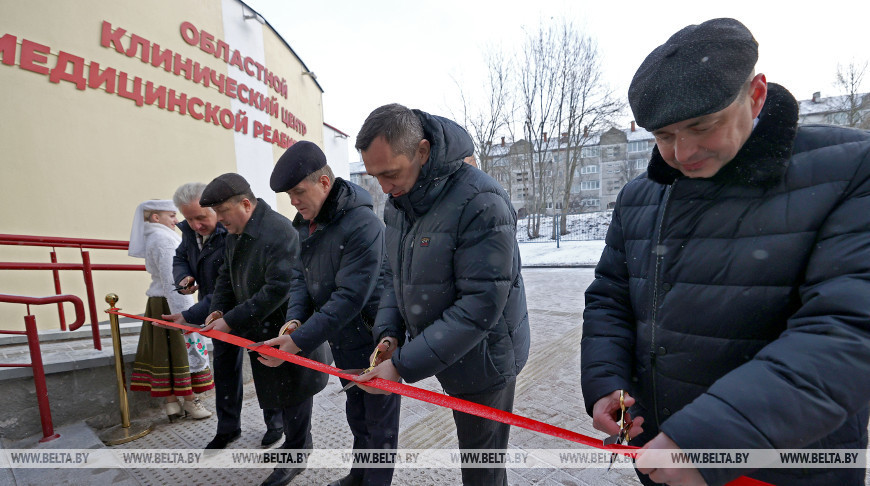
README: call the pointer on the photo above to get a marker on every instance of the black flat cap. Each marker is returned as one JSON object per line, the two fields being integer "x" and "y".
{"x": 698, "y": 71}
{"x": 222, "y": 188}
{"x": 297, "y": 162}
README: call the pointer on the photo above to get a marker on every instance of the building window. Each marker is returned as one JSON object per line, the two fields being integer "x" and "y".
{"x": 637, "y": 146}
{"x": 589, "y": 185}
{"x": 611, "y": 151}
{"x": 591, "y": 202}
{"x": 640, "y": 164}
{"x": 589, "y": 152}
{"x": 589, "y": 169}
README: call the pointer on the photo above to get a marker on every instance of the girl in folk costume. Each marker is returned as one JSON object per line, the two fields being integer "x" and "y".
{"x": 168, "y": 363}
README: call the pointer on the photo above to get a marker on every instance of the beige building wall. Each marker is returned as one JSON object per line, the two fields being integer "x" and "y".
{"x": 76, "y": 162}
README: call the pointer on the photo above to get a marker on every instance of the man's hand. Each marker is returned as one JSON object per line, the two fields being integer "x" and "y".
{"x": 384, "y": 350}
{"x": 176, "y": 318}
{"x": 385, "y": 370}
{"x": 188, "y": 286}
{"x": 216, "y": 321}
{"x": 605, "y": 414}
{"x": 284, "y": 343}
{"x": 652, "y": 454}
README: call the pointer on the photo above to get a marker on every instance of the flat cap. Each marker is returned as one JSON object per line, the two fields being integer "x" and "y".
{"x": 698, "y": 71}
{"x": 222, "y": 188}
{"x": 297, "y": 162}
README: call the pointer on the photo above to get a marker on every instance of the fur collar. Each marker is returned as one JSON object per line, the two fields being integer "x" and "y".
{"x": 763, "y": 159}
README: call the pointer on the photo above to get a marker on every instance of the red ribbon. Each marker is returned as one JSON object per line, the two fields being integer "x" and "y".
{"x": 421, "y": 394}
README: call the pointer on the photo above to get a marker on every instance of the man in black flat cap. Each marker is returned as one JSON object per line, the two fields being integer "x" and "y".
{"x": 196, "y": 264}
{"x": 336, "y": 300}
{"x": 250, "y": 300}
{"x": 730, "y": 304}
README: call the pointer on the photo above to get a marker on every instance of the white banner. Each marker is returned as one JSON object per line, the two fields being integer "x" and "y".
{"x": 429, "y": 458}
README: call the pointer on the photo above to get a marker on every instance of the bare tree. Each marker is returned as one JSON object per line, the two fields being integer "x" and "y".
{"x": 587, "y": 104}
{"x": 855, "y": 104}
{"x": 484, "y": 121}
{"x": 555, "y": 88}
{"x": 538, "y": 80}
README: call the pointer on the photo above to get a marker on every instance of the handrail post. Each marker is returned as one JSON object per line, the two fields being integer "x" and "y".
{"x": 39, "y": 379}
{"x": 56, "y": 274}
{"x": 92, "y": 303}
{"x": 127, "y": 431}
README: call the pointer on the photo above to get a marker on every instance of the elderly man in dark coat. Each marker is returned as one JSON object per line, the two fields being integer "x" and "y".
{"x": 336, "y": 300}
{"x": 731, "y": 304}
{"x": 195, "y": 267}
{"x": 250, "y": 301}
{"x": 455, "y": 285}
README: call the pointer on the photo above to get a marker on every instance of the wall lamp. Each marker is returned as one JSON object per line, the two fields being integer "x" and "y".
{"x": 252, "y": 15}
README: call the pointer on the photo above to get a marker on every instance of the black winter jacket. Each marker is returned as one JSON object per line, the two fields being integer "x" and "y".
{"x": 454, "y": 285}
{"x": 337, "y": 294}
{"x": 252, "y": 290}
{"x": 202, "y": 265}
{"x": 736, "y": 309}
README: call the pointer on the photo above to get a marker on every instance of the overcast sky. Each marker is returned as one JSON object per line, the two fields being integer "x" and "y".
{"x": 369, "y": 53}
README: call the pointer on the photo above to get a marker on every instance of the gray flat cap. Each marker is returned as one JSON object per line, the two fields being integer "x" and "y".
{"x": 698, "y": 71}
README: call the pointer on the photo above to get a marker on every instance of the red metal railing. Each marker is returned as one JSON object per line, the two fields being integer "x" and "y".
{"x": 36, "y": 354}
{"x": 86, "y": 267}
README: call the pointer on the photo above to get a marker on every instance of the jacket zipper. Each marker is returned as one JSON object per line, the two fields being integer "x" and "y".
{"x": 400, "y": 291}
{"x": 656, "y": 276}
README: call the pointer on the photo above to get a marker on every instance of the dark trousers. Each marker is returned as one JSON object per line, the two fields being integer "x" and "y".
{"x": 297, "y": 425}
{"x": 227, "y": 371}
{"x": 374, "y": 422}
{"x": 479, "y": 433}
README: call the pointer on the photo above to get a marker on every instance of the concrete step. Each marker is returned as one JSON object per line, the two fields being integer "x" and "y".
{"x": 64, "y": 351}
{"x": 81, "y": 381}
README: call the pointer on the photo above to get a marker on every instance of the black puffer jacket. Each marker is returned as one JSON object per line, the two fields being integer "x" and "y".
{"x": 202, "y": 265}
{"x": 455, "y": 284}
{"x": 342, "y": 265}
{"x": 736, "y": 309}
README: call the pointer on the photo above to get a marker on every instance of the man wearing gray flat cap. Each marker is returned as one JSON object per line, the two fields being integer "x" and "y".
{"x": 730, "y": 306}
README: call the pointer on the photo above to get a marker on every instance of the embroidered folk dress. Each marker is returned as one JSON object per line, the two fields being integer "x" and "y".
{"x": 167, "y": 362}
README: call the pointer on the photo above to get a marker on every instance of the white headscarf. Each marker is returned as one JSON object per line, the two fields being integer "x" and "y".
{"x": 137, "y": 233}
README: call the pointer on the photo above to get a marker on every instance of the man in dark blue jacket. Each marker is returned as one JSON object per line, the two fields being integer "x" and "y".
{"x": 336, "y": 298}
{"x": 730, "y": 304}
{"x": 454, "y": 286}
{"x": 250, "y": 301}
{"x": 195, "y": 267}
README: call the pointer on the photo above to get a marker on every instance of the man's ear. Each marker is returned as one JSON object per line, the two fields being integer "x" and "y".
{"x": 423, "y": 151}
{"x": 324, "y": 182}
{"x": 757, "y": 93}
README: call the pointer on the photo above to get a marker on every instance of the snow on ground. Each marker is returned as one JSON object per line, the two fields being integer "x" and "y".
{"x": 585, "y": 226}
{"x": 568, "y": 253}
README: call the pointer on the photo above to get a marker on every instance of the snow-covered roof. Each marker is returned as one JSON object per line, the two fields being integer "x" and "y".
{"x": 357, "y": 168}
{"x": 826, "y": 105}
{"x": 638, "y": 134}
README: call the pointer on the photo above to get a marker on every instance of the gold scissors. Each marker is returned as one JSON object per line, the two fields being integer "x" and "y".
{"x": 371, "y": 365}
{"x": 624, "y": 426}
